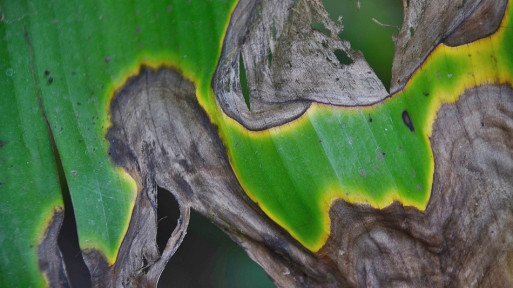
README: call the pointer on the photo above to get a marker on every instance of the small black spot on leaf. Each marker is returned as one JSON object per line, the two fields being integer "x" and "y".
{"x": 370, "y": 119}
{"x": 426, "y": 94}
{"x": 47, "y": 72}
{"x": 2, "y": 143}
{"x": 407, "y": 121}
{"x": 342, "y": 57}
{"x": 50, "y": 80}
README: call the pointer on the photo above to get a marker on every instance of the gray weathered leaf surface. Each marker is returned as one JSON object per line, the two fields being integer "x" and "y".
{"x": 464, "y": 238}
{"x": 288, "y": 64}
{"x": 161, "y": 136}
{"x": 428, "y": 23}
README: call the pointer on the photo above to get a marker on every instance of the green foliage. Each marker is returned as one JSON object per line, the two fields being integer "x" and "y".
{"x": 369, "y": 27}
{"x": 64, "y": 60}
{"x": 370, "y": 155}
{"x": 29, "y": 184}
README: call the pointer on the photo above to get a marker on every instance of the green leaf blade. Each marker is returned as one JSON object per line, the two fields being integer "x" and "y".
{"x": 29, "y": 183}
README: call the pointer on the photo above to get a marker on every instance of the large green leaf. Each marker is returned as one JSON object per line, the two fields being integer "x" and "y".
{"x": 29, "y": 183}
{"x": 73, "y": 56}
{"x": 372, "y": 155}
{"x": 63, "y": 62}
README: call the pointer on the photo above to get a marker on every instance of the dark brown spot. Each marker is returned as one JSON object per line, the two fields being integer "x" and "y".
{"x": 47, "y": 72}
{"x": 2, "y": 143}
{"x": 107, "y": 59}
{"x": 370, "y": 119}
{"x": 426, "y": 94}
{"x": 182, "y": 163}
{"x": 182, "y": 184}
{"x": 50, "y": 80}
{"x": 407, "y": 121}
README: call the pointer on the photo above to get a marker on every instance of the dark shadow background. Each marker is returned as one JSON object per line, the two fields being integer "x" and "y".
{"x": 206, "y": 258}
{"x": 369, "y": 26}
